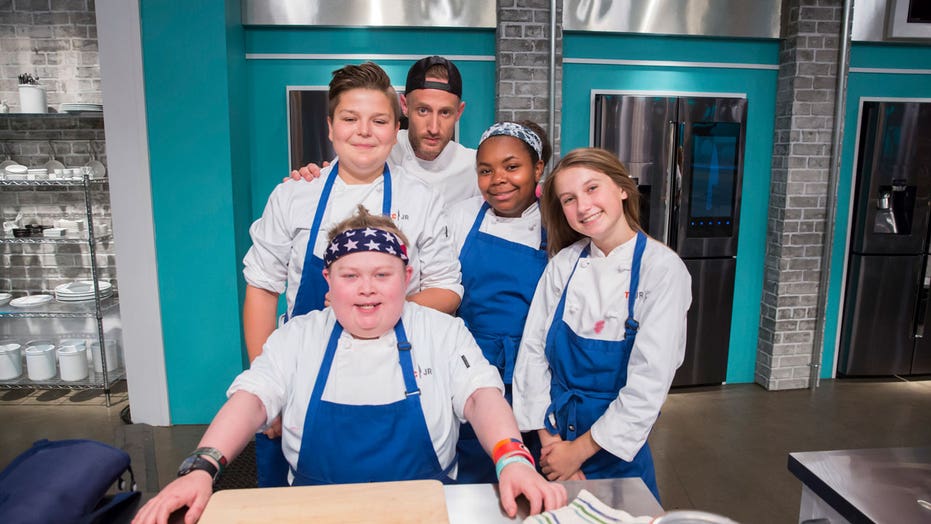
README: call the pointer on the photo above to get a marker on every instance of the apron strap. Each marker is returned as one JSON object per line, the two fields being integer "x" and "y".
{"x": 407, "y": 363}
{"x": 324, "y": 372}
{"x": 631, "y": 326}
{"x": 386, "y": 196}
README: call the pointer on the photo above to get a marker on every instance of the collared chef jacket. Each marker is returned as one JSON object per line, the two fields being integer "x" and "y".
{"x": 367, "y": 372}
{"x": 596, "y": 307}
{"x": 451, "y": 173}
{"x": 524, "y": 229}
{"x": 280, "y": 236}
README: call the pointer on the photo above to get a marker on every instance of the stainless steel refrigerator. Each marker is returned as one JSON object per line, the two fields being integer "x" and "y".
{"x": 686, "y": 154}
{"x": 886, "y": 328}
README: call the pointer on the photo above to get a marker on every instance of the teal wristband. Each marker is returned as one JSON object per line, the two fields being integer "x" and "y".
{"x": 513, "y": 459}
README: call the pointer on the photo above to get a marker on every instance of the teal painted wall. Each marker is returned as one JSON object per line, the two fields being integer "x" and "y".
{"x": 268, "y": 81}
{"x": 865, "y": 85}
{"x": 759, "y": 87}
{"x": 196, "y": 131}
{"x": 218, "y": 146}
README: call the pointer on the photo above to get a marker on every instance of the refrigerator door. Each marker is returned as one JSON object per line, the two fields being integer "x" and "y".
{"x": 879, "y": 315}
{"x": 708, "y": 175}
{"x": 638, "y": 129}
{"x": 921, "y": 359}
{"x": 308, "y": 133}
{"x": 709, "y": 322}
{"x": 893, "y": 179}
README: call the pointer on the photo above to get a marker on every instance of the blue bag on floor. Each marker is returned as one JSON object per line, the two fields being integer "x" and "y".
{"x": 65, "y": 481}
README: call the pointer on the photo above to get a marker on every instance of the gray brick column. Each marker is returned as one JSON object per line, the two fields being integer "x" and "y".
{"x": 800, "y": 168}
{"x": 522, "y": 54}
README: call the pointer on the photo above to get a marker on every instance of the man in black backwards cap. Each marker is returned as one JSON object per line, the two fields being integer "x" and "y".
{"x": 433, "y": 104}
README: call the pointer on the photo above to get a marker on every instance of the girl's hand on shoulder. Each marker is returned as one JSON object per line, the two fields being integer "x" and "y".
{"x": 522, "y": 479}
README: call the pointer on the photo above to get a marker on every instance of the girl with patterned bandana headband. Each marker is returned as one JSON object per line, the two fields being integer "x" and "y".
{"x": 502, "y": 250}
{"x": 371, "y": 389}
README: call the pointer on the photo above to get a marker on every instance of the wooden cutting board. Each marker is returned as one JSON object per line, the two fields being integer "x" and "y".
{"x": 378, "y": 502}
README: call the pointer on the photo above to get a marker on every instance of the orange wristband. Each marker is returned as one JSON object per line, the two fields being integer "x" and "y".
{"x": 504, "y": 448}
{"x": 503, "y": 442}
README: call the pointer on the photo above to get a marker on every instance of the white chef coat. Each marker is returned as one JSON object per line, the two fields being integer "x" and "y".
{"x": 451, "y": 173}
{"x": 596, "y": 307}
{"x": 524, "y": 229}
{"x": 367, "y": 372}
{"x": 280, "y": 236}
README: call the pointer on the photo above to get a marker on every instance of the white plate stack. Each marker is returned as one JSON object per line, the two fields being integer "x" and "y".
{"x": 77, "y": 108}
{"x": 82, "y": 290}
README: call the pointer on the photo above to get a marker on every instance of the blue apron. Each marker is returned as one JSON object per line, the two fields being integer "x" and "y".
{"x": 586, "y": 377}
{"x": 313, "y": 287}
{"x": 344, "y": 443}
{"x": 271, "y": 466}
{"x": 499, "y": 277}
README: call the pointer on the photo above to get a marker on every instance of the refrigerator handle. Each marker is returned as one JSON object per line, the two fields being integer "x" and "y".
{"x": 670, "y": 179}
{"x": 923, "y": 296}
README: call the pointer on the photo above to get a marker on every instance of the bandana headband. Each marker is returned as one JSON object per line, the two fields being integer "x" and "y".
{"x": 368, "y": 239}
{"x": 517, "y": 131}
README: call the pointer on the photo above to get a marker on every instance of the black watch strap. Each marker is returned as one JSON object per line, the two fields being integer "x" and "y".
{"x": 213, "y": 453}
{"x": 195, "y": 463}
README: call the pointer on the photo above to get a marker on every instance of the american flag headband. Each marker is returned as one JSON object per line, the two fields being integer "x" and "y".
{"x": 368, "y": 239}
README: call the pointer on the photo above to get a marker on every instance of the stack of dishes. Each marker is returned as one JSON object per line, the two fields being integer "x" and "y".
{"x": 31, "y": 300}
{"x": 81, "y": 290}
{"x": 77, "y": 108}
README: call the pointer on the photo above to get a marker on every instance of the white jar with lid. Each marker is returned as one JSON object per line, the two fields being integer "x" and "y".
{"x": 72, "y": 362}
{"x": 11, "y": 360}
{"x": 40, "y": 362}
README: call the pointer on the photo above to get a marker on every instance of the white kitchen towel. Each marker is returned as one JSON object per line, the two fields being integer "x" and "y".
{"x": 586, "y": 509}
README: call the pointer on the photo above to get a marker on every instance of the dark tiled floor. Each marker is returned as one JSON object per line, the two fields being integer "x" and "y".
{"x": 721, "y": 449}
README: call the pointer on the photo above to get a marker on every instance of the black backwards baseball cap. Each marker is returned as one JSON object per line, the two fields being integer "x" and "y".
{"x": 417, "y": 76}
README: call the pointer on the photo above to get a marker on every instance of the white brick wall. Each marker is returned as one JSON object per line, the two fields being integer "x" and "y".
{"x": 56, "y": 39}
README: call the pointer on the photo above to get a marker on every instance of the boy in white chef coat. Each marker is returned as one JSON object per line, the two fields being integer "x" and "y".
{"x": 288, "y": 241}
{"x": 372, "y": 388}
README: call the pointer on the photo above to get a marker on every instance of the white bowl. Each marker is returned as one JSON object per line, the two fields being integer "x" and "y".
{"x": 5, "y": 298}
{"x": 16, "y": 169}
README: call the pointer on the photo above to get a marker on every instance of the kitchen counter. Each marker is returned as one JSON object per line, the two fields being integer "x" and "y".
{"x": 414, "y": 501}
{"x": 865, "y": 485}
{"x": 468, "y": 503}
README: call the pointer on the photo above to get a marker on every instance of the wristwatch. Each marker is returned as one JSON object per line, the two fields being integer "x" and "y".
{"x": 196, "y": 461}
{"x": 213, "y": 453}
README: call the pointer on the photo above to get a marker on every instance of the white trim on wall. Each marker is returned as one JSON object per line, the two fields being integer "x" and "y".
{"x": 122, "y": 82}
{"x": 669, "y": 63}
{"x": 351, "y": 57}
{"x": 890, "y": 71}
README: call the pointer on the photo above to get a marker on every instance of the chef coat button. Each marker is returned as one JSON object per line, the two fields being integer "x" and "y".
{"x": 571, "y": 427}
{"x": 584, "y": 263}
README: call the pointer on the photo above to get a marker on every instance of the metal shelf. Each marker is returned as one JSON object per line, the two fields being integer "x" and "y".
{"x": 56, "y": 309}
{"x": 54, "y": 240}
{"x": 94, "y": 380}
{"x": 74, "y": 182}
